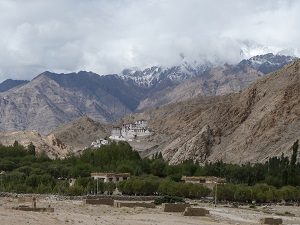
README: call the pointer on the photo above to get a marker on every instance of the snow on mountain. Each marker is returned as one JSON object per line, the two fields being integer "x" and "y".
{"x": 267, "y": 63}
{"x": 250, "y": 49}
{"x": 156, "y": 74}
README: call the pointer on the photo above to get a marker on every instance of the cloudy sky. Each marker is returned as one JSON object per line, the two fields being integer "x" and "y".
{"x": 106, "y": 36}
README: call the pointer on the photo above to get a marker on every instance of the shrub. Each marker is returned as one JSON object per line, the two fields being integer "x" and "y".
{"x": 168, "y": 199}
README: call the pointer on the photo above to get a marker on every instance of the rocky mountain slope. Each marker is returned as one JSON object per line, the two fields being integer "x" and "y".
{"x": 47, "y": 144}
{"x": 215, "y": 81}
{"x": 250, "y": 126}
{"x": 80, "y": 133}
{"x": 261, "y": 121}
{"x": 209, "y": 80}
{"x": 52, "y": 99}
{"x": 185, "y": 71}
{"x": 9, "y": 84}
{"x": 266, "y": 63}
{"x": 69, "y": 138}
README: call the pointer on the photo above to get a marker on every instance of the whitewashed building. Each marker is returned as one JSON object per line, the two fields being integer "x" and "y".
{"x": 130, "y": 131}
{"x": 99, "y": 142}
{"x": 207, "y": 181}
{"x": 110, "y": 177}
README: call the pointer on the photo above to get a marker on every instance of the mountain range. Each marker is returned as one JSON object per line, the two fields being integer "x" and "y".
{"x": 51, "y": 99}
{"x": 240, "y": 126}
{"x": 250, "y": 126}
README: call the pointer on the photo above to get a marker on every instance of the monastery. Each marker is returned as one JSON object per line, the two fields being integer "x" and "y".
{"x": 130, "y": 131}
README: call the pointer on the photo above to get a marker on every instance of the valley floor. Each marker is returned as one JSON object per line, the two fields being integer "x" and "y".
{"x": 76, "y": 212}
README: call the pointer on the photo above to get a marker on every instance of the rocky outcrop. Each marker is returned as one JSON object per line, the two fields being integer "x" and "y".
{"x": 195, "y": 148}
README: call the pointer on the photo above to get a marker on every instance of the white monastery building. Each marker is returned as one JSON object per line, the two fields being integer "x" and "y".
{"x": 130, "y": 131}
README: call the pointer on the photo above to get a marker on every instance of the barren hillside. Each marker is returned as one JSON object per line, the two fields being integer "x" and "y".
{"x": 80, "y": 133}
{"x": 262, "y": 121}
{"x": 50, "y": 145}
{"x": 68, "y": 138}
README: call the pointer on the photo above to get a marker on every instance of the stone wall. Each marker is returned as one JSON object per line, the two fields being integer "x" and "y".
{"x": 100, "y": 201}
{"x": 132, "y": 204}
{"x": 31, "y": 209}
{"x": 174, "y": 207}
{"x": 271, "y": 221}
{"x": 123, "y": 197}
{"x": 65, "y": 197}
{"x": 189, "y": 211}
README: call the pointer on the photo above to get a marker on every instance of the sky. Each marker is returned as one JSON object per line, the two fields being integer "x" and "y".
{"x": 107, "y": 36}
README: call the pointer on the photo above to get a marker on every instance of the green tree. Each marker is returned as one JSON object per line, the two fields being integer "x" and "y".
{"x": 293, "y": 174}
{"x": 31, "y": 149}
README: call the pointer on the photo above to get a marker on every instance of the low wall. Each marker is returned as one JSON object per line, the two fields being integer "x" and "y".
{"x": 123, "y": 197}
{"x": 271, "y": 221}
{"x": 22, "y": 208}
{"x": 189, "y": 211}
{"x": 174, "y": 207}
{"x": 100, "y": 201}
{"x": 24, "y": 199}
{"x": 132, "y": 204}
{"x": 42, "y": 196}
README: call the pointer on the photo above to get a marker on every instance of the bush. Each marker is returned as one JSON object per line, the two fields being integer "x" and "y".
{"x": 188, "y": 190}
{"x": 139, "y": 186}
{"x": 109, "y": 187}
{"x": 168, "y": 199}
{"x": 226, "y": 192}
{"x": 75, "y": 190}
{"x": 289, "y": 193}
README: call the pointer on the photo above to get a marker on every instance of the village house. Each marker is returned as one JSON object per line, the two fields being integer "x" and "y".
{"x": 207, "y": 181}
{"x": 110, "y": 177}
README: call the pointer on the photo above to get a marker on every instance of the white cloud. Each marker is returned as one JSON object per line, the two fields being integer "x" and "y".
{"x": 106, "y": 36}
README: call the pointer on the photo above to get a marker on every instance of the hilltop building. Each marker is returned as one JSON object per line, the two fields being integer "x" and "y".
{"x": 99, "y": 142}
{"x": 130, "y": 131}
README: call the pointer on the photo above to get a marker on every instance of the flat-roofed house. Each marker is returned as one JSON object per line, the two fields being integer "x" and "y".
{"x": 110, "y": 177}
{"x": 207, "y": 181}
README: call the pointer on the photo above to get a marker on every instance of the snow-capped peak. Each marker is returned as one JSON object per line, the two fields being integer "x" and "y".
{"x": 151, "y": 76}
{"x": 155, "y": 74}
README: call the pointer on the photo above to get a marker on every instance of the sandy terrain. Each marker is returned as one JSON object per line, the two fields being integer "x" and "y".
{"x": 76, "y": 212}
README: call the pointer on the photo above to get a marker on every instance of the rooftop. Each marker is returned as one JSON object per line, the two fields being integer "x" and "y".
{"x": 205, "y": 178}
{"x": 110, "y": 174}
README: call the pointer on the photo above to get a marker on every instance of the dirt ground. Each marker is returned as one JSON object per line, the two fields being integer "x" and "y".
{"x": 76, "y": 212}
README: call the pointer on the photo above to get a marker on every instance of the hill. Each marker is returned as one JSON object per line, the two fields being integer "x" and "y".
{"x": 69, "y": 138}
{"x": 80, "y": 133}
{"x": 49, "y": 145}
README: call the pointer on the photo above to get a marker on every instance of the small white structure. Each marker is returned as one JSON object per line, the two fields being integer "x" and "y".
{"x": 116, "y": 132}
{"x": 110, "y": 177}
{"x": 130, "y": 131}
{"x": 72, "y": 182}
{"x": 98, "y": 143}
